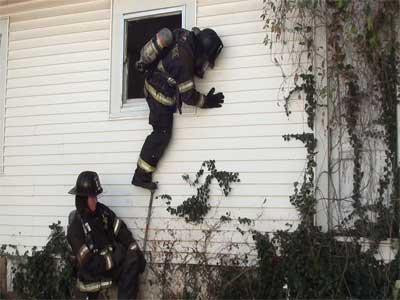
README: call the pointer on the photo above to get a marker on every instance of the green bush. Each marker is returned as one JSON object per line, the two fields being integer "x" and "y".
{"x": 46, "y": 273}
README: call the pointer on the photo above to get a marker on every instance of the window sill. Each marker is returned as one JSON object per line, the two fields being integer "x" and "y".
{"x": 134, "y": 109}
{"x": 387, "y": 249}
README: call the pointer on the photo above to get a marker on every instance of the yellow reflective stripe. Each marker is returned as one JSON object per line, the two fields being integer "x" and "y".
{"x": 117, "y": 226}
{"x": 83, "y": 251}
{"x": 145, "y": 166}
{"x": 158, "y": 96}
{"x": 93, "y": 286}
{"x": 186, "y": 86}
{"x": 201, "y": 101}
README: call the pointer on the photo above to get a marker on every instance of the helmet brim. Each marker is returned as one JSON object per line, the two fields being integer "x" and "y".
{"x": 74, "y": 191}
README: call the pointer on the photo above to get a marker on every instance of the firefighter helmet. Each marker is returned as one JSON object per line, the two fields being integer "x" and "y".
{"x": 210, "y": 43}
{"x": 87, "y": 184}
{"x": 208, "y": 47}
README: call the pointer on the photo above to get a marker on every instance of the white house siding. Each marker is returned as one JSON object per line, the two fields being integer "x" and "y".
{"x": 57, "y": 124}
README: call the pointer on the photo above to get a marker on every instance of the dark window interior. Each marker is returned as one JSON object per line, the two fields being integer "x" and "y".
{"x": 139, "y": 31}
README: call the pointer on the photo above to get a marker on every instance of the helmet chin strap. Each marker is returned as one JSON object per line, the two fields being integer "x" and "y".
{"x": 81, "y": 203}
{"x": 205, "y": 66}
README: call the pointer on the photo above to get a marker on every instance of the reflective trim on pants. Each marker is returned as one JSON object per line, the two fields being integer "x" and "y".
{"x": 93, "y": 286}
{"x": 145, "y": 166}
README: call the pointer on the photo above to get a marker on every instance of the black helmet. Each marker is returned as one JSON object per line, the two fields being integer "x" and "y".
{"x": 87, "y": 184}
{"x": 210, "y": 43}
{"x": 209, "y": 46}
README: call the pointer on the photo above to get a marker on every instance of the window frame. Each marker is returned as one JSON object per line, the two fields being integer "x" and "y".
{"x": 4, "y": 33}
{"x": 123, "y": 10}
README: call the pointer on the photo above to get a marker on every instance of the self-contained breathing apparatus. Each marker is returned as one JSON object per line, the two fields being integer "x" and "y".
{"x": 152, "y": 53}
{"x": 154, "y": 50}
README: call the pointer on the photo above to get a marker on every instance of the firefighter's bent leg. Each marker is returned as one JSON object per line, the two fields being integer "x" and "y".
{"x": 155, "y": 145}
{"x": 152, "y": 151}
{"x": 161, "y": 119}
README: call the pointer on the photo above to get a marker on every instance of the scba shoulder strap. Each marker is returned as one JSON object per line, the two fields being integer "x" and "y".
{"x": 85, "y": 227}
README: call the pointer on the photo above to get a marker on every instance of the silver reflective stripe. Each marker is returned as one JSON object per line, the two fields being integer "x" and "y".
{"x": 83, "y": 251}
{"x": 109, "y": 263}
{"x": 160, "y": 67}
{"x": 158, "y": 96}
{"x": 87, "y": 226}
{"x": 105, "y": 284}
{"x": 145, "y": 166}
{"x": 133, "y": 246}
{"x": 186, "y": 86}
{"x": 93, "y": 286}
{"x": 149, "y": 52}
{"x": 106, "y": 253}
{"x": 117, "y": 226}
{"x": 201, "y": 101}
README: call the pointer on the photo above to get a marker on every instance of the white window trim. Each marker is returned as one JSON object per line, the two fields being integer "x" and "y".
{"x": 128, "y": 9}
{"x": 4, "y": 25}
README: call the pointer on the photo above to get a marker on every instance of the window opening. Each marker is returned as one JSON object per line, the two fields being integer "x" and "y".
{"x": 137, "y": 32}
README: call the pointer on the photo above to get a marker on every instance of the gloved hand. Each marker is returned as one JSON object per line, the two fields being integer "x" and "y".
{"x": 213, "y": 100}
{"x": 118, "y": 254}
{"x": 137, "y": 255}
{"x": 141, "y": 262}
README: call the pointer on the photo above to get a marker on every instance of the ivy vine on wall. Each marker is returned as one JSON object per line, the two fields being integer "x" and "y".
{"x": 196, "y": 207}
{"x": 347, "y": 58}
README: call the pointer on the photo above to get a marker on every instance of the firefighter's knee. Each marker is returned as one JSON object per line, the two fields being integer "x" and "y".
{"x": 165, "y": 134}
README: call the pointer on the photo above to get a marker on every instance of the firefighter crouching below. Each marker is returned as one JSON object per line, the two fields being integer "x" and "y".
{"x": 105, "y": 249}
{"x": 171, "y": 60}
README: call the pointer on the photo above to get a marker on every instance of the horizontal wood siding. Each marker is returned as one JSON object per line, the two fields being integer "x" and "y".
{"x": 57, "y": 124}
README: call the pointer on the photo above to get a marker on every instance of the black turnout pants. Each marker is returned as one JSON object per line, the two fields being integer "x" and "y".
{"x": 161, "y": 119}
{"x": 126, "y": 276}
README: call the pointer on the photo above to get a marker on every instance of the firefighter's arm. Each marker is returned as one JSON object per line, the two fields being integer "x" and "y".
{"x": 89, "y": 262}
{"x": 180, "y": 68}
{"x": 122, "y": 234}
{"x": 187, "y": 89}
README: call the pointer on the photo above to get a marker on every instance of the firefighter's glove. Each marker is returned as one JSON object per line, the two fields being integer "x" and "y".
{"x": 213, "y": 100}
{"x": 137, "y": 255}
{"x": 118, "y": 254}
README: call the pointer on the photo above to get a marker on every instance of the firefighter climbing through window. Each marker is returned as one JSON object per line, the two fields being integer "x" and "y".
{"x": 105, "y": 249}
{"x": 171, "y": 60}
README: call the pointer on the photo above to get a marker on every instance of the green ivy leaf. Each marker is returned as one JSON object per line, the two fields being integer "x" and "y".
{"x": 370, "y": 23}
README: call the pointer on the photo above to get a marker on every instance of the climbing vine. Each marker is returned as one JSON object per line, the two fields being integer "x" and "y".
{"x": 346, "y": 56}
{"x": 196, "y": 207}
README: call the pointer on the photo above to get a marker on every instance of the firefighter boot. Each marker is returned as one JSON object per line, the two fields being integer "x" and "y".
{"x": 144, "y": 180}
